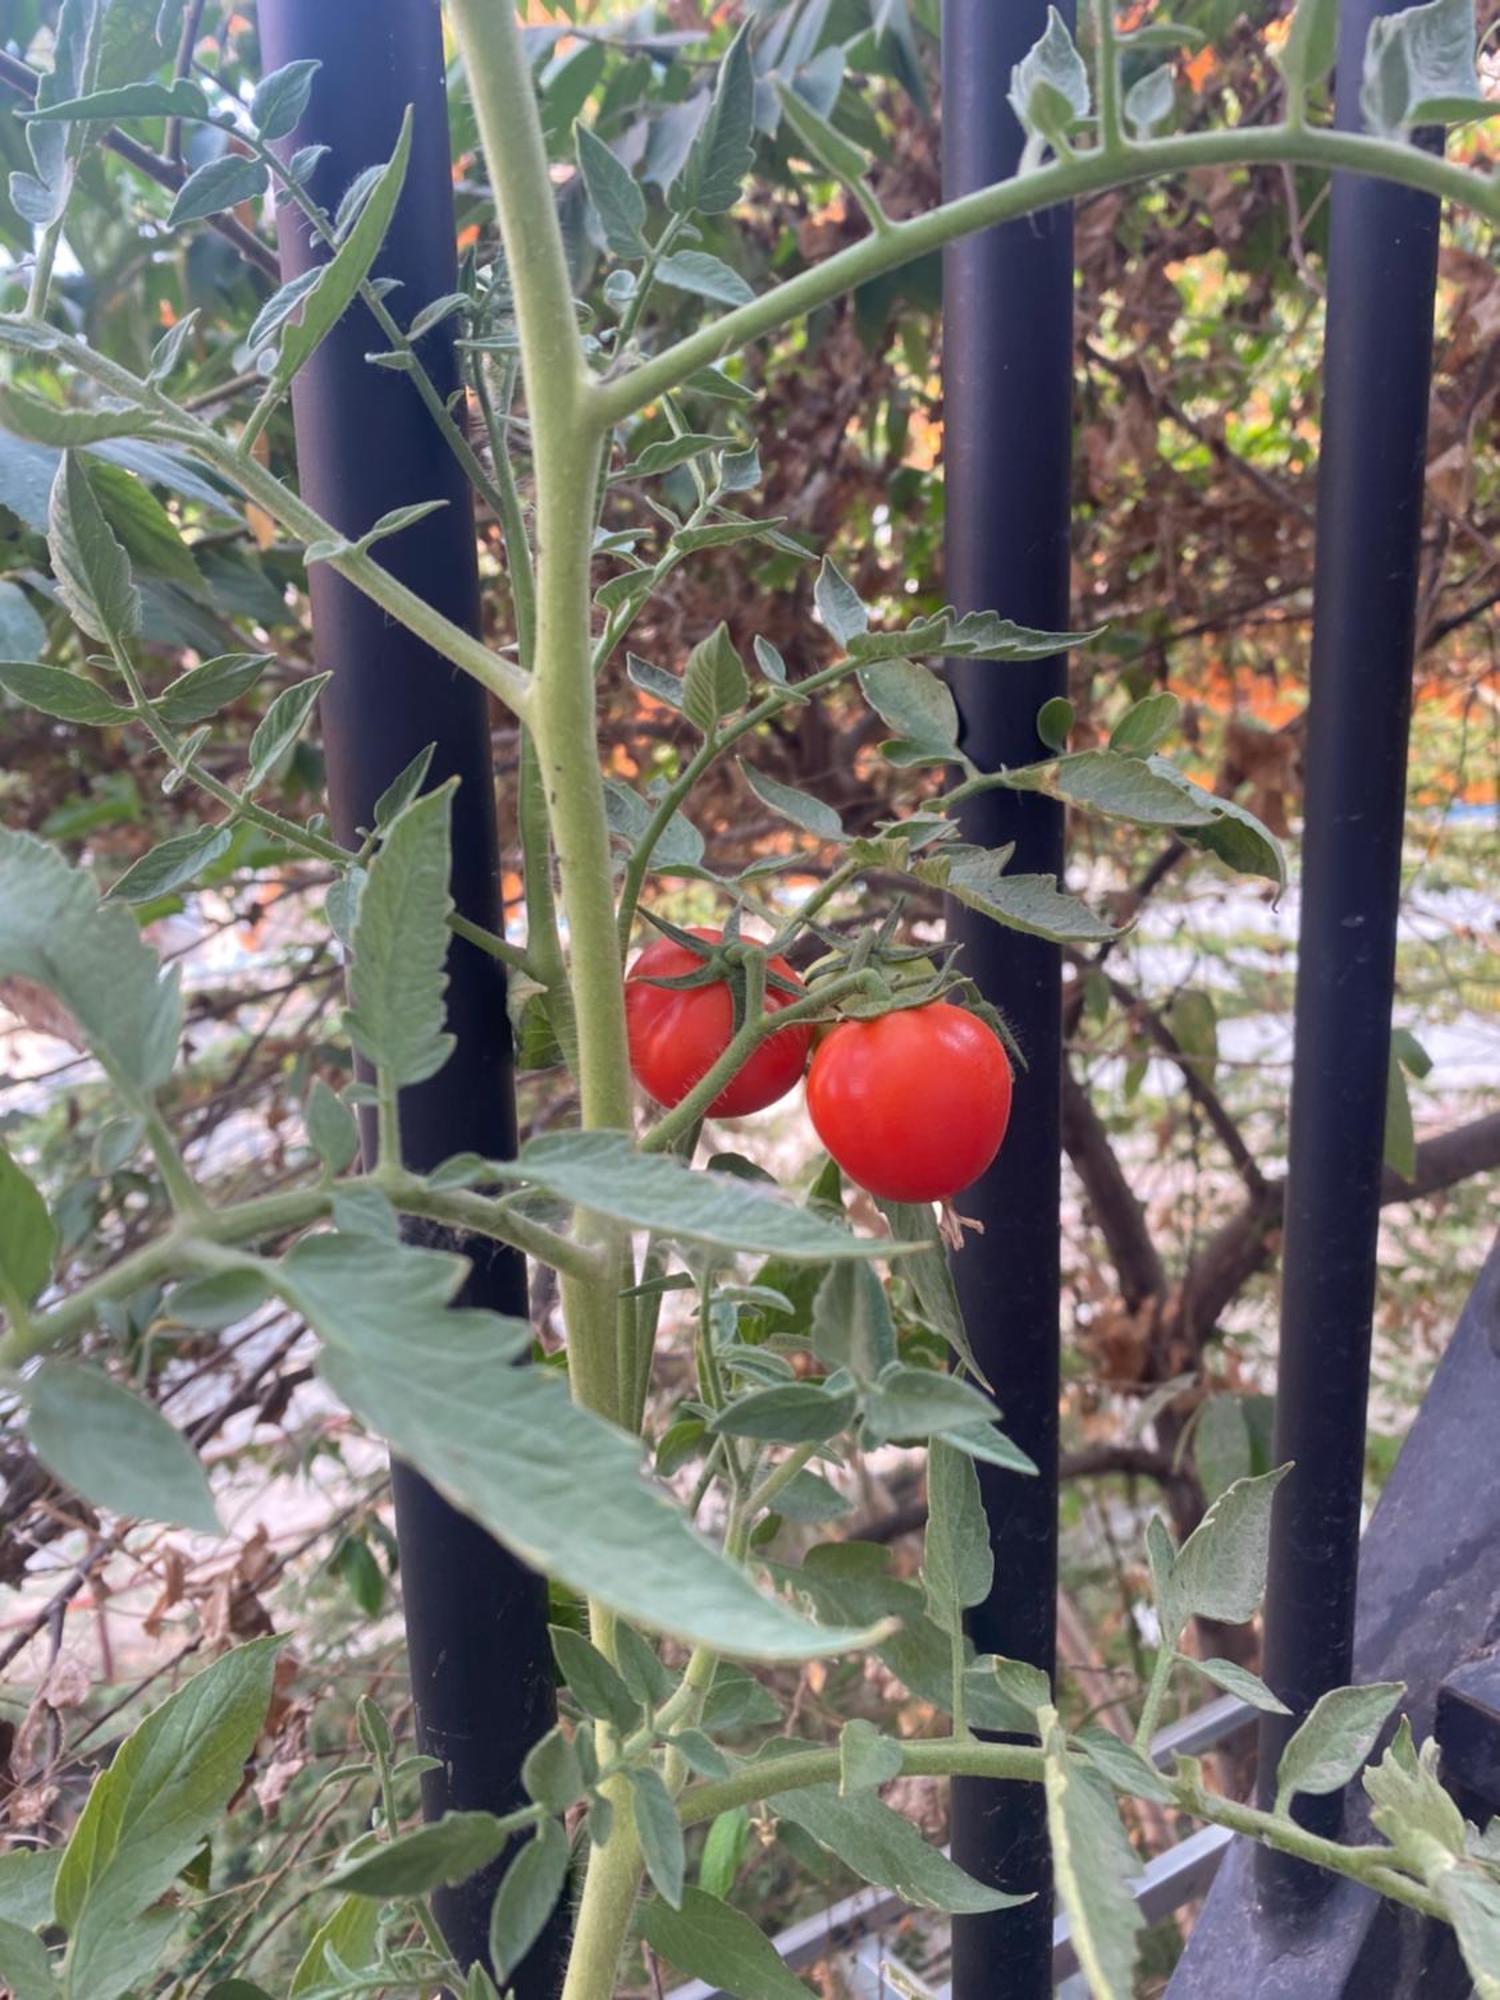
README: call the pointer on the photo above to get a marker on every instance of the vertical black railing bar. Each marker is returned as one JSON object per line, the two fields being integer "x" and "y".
{"x": 475, "y": 1618}
{"x": 1376, "y": 377}
{"x": 1007, "y": 401}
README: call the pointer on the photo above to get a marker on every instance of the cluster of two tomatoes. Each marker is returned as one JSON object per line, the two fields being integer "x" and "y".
{"x": 912, "y": 1104}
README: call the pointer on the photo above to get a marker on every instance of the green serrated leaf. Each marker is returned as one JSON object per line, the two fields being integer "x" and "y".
{"x": 1127, "y": 787}
{"x": 714, "y": 682}
{"x": 646, "y": 1677}
{"x": 280, "y": 726}
{"x": 851, "y": 1322}
{"x": 41, "y": 422}
{"x": 619, "y": 201}
{"x": 553, "y": 1772}
{"x": 25, "y": 1964}
{"x": 331, "y": 1129}
{"x": 172, "y": 864}
{"x": 447, "y": 1851}
{"x": 338, "y": 282}
{"x": 527, "y": 1896}
{"x": 1145, "y": 724}
{"x": 867, "y": 1760}
{"x": 201, "y": 692}
{"x": 660, "y": 1833}
{"x": 179, "y": 99}
{"x": 1151, "y": 100}
{"x": 709, "y": 1940}
{"x": 801, "y": 808}
{"x": 679, "y": 846}
{"x": 838, "y": 604}
{"x": 1421, "y": 69}
{"x": 958, "y": 1565}
{"x": 26, "y": 1876}
{"x": 1306, "y": 56}
{"x": 221, "y": 1299}
{"x": 1032, "y": 904}
{"x": 723, "y": 150}
{"x": 92, "y": 570}
{"x": 399, "y": 975}
{"x": 1411, "y": 1808}
{"x": 1093, "y": 1863}
{"x": 1125, "y": 1768}
{"x": 918, "y": 705}
{"x": 666, "y": 455}
{"x": 559, "y": 1487}
{"x": 114, "y": 1448}
{"x": 1231, "y": 1678}
{"x": 794, "y": 1413}
{"x": 1220, "y": 1570}
{"x": 28, "y": 1238}
{"x": 219, "y": 184}
{"x": 281, "y": 98}
{"x": 1049, "y": 87}
{"x": 909, "y": 1403}
{"x": 349, "y": 1937}
{"x": 394, "y": 522}
{"x": 363, "y": 1210}
{"x": 596, "y": 1685}
{"x": 1338, "y": 1735}
{"x": 147, "y": 1815}
{"x": 656, "y": 681}
{"x": 90, "y": 956}
{"x": 706, "y": 277}
{"x": 878, "y": 1844}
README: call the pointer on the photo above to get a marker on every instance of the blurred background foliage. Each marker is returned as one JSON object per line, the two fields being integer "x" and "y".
{"x": 1198, "y": 338}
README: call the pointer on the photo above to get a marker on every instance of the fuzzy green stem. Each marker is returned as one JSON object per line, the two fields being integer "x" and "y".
{"x": 544, "y": 942}
{"x": 567, "y": 451}
{"x": 426, "y": 388}
{"x": 610, "y": 1886}
{"x": 504, "y": 678}
{"x": 270, "y": 1215}
{"x": 951, "y": 1757}
{"x": 1156, "y": 1693}
{"x": 41, "y": 271}
{"x": 182, "y": 1190}
{"x": 1107, "y": 77}
{"x": 513, "y": 955}
{"x": 779, "y": 1478}
{"x": 483, "y": 1215}
{"x": 1070, "y": 179}
{"x": 238, "y": 807}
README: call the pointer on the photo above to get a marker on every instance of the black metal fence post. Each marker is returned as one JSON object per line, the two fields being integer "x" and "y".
{"x": 1377, "y": 365}
{"x": 1007, "y": 429}
{"x": 475, "y": 1618}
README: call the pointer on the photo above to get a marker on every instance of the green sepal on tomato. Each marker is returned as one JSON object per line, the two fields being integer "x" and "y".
{"x": 678, "y": 1033}
{"x": 912, "y": 1104}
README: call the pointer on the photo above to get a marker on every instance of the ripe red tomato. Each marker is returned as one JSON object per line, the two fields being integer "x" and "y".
{"x": 677, "y": 1034}
{"x": 912, "y": 1105}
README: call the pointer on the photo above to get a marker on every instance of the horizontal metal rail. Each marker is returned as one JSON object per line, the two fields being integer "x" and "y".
{"x": 853, "y": 1924}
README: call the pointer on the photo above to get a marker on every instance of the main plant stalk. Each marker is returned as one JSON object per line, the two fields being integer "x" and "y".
{"x": 567, "y": 441}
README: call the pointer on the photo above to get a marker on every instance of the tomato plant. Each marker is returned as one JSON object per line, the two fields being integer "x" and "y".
{"x": 798, "y": 1356}
{"x": 913, "y": 1104}
{"x": 677, "y": 1033}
